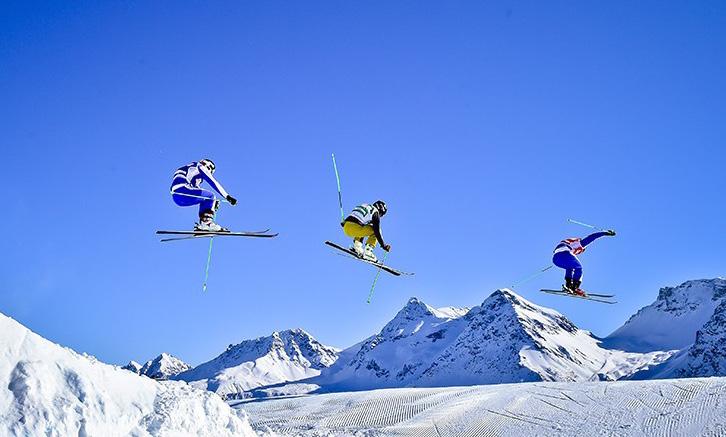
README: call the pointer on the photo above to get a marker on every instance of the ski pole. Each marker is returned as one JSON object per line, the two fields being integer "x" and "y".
{"x": 530, "y": 277}
{"x": 586, "y": 225}
{"x": 198, "y": 197}
{"x": 209, "y": 260}
{"x": 375, "y": 280}
{"x": 340, "y": 195}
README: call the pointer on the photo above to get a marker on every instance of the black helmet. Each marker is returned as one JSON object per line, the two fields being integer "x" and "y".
{"x": 381, "y": 207}
{"x": 209, "y": 164}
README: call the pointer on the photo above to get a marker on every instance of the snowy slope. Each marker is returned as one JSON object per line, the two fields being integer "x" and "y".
{"x": 671, "y": 322}
{"x": 706, "y": 357}
{"x": 505, "y": 339}
{"x": 690, "y": 407}
{"x": 162, "y": 367}
{"x": 49, "y": 390}
{"x": 283, "y": 356}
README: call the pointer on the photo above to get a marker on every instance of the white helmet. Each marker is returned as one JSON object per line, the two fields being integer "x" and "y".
{"x": 209, "y": 164}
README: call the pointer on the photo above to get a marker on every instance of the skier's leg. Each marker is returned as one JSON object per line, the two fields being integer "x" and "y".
{"x": 561, "y": 260}
{"x": 573, "y": 269}
{"x": 358, "y": 233}
{"x": 188, "y": 196}
{"x": 577, "y": 278}
{"x": 207, "y": 203}
{"x": 185, "y": 196}
{"x": 370, "y": 244}
{"x": 355, "y": 231}
{"x": 207, "y": 209}
{"x": 372, "y": 240}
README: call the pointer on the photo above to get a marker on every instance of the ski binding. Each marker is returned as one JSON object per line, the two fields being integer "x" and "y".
{"x": 602, "y": 298}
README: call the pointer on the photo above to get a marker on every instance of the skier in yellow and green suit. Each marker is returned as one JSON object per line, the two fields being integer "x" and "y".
{"x": 365, "y": 221}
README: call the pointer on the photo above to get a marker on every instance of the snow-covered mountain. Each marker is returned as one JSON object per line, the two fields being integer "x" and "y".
{"x": 49, "y": 390}
{"x": 505, "y": 339}
{"x": 671, "y": 322}
{"x": 705, "y": 357}
{"x": 284, "y": 356}
{"x": 162, "y": 367}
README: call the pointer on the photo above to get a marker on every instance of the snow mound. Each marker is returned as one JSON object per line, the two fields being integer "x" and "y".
{"x": 284, "y": 356}
{"x": 162, "y": 367}
{"x": 671, "y": 322}
{"x": 53, "y": 391}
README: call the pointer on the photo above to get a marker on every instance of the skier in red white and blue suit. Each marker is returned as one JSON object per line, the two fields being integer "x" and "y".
{"x": 565, "y": 257}
{"x": 186, "y": 191}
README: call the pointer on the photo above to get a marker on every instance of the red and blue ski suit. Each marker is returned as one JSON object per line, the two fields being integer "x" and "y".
{"x": 186, "y": 187}
{"x": 565, "y": 254}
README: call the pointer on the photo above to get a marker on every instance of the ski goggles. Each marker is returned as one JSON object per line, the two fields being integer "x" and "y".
{"x": 208, "y": 164}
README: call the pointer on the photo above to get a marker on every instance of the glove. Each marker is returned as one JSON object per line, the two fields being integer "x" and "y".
{"x": 232, "y": 201}
{"x": 610, "y": 232}
{"x": 387, "y": 247}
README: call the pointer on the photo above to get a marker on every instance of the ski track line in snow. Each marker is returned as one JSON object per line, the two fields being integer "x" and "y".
{"x": 631, "y": 408}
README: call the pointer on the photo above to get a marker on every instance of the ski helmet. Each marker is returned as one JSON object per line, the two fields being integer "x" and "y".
{"x": 381, "y": 207}
{"x": 209, "y": 164}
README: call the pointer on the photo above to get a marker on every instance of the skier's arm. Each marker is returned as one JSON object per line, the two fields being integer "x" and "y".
{"x": 213, "y": 182}
{"x": 376, "y": 222}
{"x": 592, "y": 237}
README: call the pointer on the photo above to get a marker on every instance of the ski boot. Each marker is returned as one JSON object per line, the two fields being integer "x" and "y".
{"x": 572, "y": 286}
{"x": 369, "y": 255}
{"x": 206, "y": 224}
{"x": 357, "y": 247}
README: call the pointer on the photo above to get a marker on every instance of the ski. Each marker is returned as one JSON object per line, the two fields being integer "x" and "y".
{"x": 382, "y": 266}
{"x": 186, "y": 235}
{"x": 212, "y": 232}
{"x": 600, "y": 295}
{"x": 588, "y": 296}
{"x": 588, "y": 293}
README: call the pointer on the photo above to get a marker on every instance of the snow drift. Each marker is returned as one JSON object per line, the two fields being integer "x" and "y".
{"x": 54, "y": 391}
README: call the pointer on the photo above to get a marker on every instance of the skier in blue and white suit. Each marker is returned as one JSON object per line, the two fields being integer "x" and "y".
{"x": 186, "y": 191}
{"x": 565, "y": 257}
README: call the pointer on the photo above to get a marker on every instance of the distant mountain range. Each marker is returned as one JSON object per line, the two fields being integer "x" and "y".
{"x": 505, "y": 339}
{"x": 162, "y": 367}
{"x": 284, "y": 356}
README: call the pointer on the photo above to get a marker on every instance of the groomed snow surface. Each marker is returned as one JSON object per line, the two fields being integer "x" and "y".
{"x": 675, "y": 407}
{"x": 48, "y": 390}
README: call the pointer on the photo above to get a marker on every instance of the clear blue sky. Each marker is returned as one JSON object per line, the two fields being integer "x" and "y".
{"x": 484, "y": 125}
